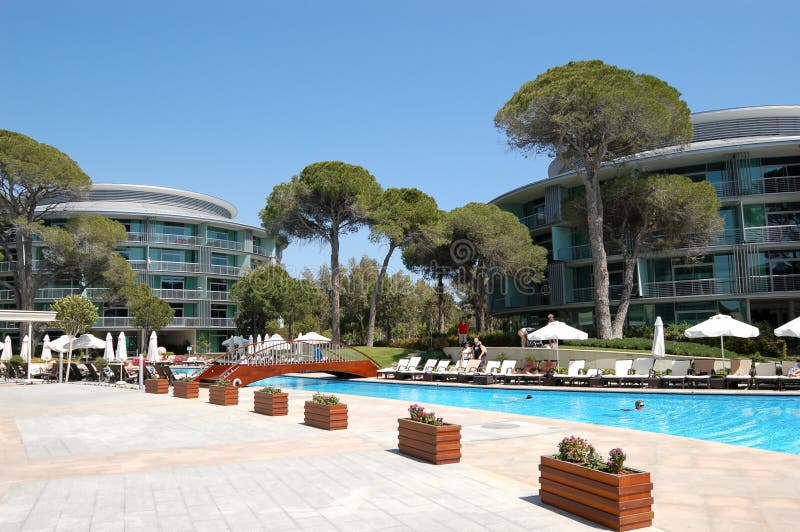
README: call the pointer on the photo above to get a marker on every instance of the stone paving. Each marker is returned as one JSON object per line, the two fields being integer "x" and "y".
{"x": 82, "y": 457}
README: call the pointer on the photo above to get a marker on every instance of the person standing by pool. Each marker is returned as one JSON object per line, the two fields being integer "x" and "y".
{"x": 466, "y": 353}
{"x": 463, "y": 331}
{"x": 479, "y": 352}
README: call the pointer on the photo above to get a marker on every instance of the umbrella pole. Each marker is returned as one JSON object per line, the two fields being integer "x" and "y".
{"x": 722, "y": 348}
{"x": 30, "y": 350}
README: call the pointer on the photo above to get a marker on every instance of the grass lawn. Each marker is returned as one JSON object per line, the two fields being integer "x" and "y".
{"x": 384, "y": 356}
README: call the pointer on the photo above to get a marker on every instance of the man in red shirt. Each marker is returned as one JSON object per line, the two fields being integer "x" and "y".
{"x": 463, "y": 331}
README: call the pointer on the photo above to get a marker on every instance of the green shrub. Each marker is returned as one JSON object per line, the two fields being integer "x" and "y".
{"x": 100, "y": 362}
{"x": 223, "y": 383}
{"x": 323, "y": 399}
{"x": 16, "y": 360}
{"x": 270, "y": 390}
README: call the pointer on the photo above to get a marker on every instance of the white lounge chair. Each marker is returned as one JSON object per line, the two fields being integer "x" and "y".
{"x": 766, "y": 373}
{"x": 391, "y": 370}
{"x": 740, "y": 373}
{"x": 680, "y": 370}
{"x": 506, "y": 371}
{"x": 574, "y": 368}
{"x": 642, "y": 370}
{"x": 419, "y": 373}
{"x": 621, "y": 369}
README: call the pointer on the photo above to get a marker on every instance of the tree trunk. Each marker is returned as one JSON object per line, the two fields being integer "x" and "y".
{"x": 440, "y": 301}
{"x": 373, "y": 304}
{"x": 69, "y": 362}
{"x": 23, "y": 275}
{"x": 480, "y": 300}
{"x": 629, "y": 268}
{"x": 335, "y": 315}
{"x": 594, "y": 210}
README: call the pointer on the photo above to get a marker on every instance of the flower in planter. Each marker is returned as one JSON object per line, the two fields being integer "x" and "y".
{"x": 418, "y": 414}
{"x": 270, "y": 390}
{"x": 223, "y": 383}
{"x": 616, "y": 458}
{"x": 323, "y": 399}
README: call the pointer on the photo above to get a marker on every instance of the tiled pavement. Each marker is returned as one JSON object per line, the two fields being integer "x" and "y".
{"x": 76, "y": 457}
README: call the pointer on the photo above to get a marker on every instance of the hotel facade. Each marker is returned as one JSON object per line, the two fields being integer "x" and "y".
{"x": 185, "y": 246}
{"x": 750, "y": 269}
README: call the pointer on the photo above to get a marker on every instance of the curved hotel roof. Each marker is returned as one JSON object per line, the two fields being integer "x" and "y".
{"x": 154, "y": 201}
{"x": 775, "y": 128}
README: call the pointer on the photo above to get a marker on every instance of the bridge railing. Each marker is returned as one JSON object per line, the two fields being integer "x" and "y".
{"x": 292, "y": 352}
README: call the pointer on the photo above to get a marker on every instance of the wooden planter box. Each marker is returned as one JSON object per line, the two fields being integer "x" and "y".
{"x": 156, "y": 386}
{"x": 621, "y": 502}
{"x": 437, "y": 445}
{"x": 223, "y": 395}
{"x": 271, "y": 404}
{"x": 186, "y": 389}
{"x": 328, "y": 417}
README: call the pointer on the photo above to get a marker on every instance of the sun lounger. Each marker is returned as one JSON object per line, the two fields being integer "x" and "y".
{"x": 418, "y": 373}
{"x": 413, "y": 365}
{"x": 574, "y": 368}
{"x": 165, "y": 372}
{"x": 450, "y": 373}
{"x": 506, "y": 370}
{"x": 680, "y": 369}
{"x": 786, "y": 382}
{"x": 621, "y": 369}
{"x": 469, "y": 371}
{"x": 766, "y": 373}
{"x": 401, "y": 364}
{"x": 702, "y": 371}
{"x": 492, "y": 369}
{"x": 94, "y": 375}
{"x": 440, "y": 368}
{"x": 740, "y": 373}
{"x": 642, "y": 370}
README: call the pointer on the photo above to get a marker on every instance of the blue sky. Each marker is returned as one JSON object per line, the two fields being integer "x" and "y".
{"x": 231, "y": 98}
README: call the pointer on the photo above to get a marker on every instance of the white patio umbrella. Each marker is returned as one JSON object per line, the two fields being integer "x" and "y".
{"x": 313, "y": 338}
{"x": 7, "y": 350}
{"x": 25, "y": 349}
{"x": 122, "y": 350}
{"x": 46, "y": 354}
{"x": 250, "y": 345}
{"x": 659, "y": 348}
{"x": 721, "y": 325}
{"x": 88, "y": 341}
{"x": 557, "y": 330}
{"x": 791, "y": 328}
{"x": 108, "y": 354}
{"x": 60, "y": 345}
{"x": 152, "y": 349}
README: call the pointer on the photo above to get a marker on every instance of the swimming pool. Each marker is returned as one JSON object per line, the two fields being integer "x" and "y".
{"x": 760, "y": 421}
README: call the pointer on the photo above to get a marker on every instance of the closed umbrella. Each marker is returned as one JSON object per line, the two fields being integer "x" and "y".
{"x": 557, "y": 330}
{"x": 108, "y": 354}
{"x": 721, "y": 325}
{"x": 122, "y": 349}
{"x": 152, "y": 349}
{"x": 259, "y": 343}
{"x": 789, "y": 329}
{"x": 7, "y": 352}
{"x": 25, "y": 350}
{"x": 46, "y": 354}
{"x": 659, "y": 348}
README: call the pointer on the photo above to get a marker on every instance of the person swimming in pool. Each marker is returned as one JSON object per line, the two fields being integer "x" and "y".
{"x": 638, "y": 405}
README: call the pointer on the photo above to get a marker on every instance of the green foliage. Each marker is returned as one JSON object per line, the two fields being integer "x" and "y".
{"x": 683, "y": 348}
{"x": 418, "y": 413}
{"x": 270, "y": 390}
{"x": 222, "y": 383}
{"x": 74, "y": 314}
{"x": 328, "y": 199}
{"x": 323, "y": 399}
{"x": 100, "y": 362}
{"x": 590, "y": 109}
{"x": 203, "y": 345}
{"x": 150, "y": 312}
{"x": 16, "y": 360}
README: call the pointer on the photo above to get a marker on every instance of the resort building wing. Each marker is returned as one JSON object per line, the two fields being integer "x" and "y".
{"x": 185, "y": 246}
{"x": 751, "y": 268}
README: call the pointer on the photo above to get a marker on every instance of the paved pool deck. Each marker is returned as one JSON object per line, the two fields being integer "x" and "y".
{"x": 90, "y": 457}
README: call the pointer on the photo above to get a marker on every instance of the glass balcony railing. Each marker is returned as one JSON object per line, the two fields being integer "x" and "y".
{"x": 224, "y": 244}
{"x": 225, "y": 270}
{"x": 170, "y": 266}
{"x": 170, "y": 293}
{"x": 534, "y": 220}
{"x": 181, "y": 240}
{"x": 218, "y": 295}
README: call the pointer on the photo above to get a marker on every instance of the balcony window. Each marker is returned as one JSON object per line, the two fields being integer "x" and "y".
{"x": 218, "y": 234}
{"x": 219, "y": 311}
{"x": 171, "y": 228}
{"x": 217, "y": 285}
{"x": 178, "y": 309}
{"x": 172, "y": 283}
{"x": 219, "y": 259}
{"x": 172, "y": 255}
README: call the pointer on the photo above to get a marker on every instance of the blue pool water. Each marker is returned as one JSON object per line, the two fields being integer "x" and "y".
{"x": 764, "y": 422}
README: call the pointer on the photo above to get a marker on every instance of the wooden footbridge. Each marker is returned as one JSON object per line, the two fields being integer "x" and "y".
{"x": 245, "y": 365}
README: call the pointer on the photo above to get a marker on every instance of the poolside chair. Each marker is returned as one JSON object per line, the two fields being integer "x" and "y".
{"x": 440, "y": 368}
{"x": 419, "y": 373}
{"x": 740, "y": 373}
{"x": 621, "y": 369}
{"x": 413, "y": 365}
{"x": 574, "y": 368}
{"x": 703, "y": 370}
{"x": 506, "y": 370}
{"x": 766, "y": 373}
{"x": 642, "y": 370}
{"x": 545, "y": 370}
{"x": 450, "y": 373}
{"x": 680, "y": 369}
{"x": 165, "y": 372}
{"x": 469, "y": 371}
{"x": 391, "y": 370}
{"x": 94, "y": 375}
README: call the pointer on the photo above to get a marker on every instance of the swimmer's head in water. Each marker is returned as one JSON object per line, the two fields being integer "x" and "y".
{"x": 529, "y": 396}
{"x": 639, "y": 404}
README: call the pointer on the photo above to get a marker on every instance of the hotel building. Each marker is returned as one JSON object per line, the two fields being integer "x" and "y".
{"x": 750, "y": 270}
{"x": 184, "y": 245}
